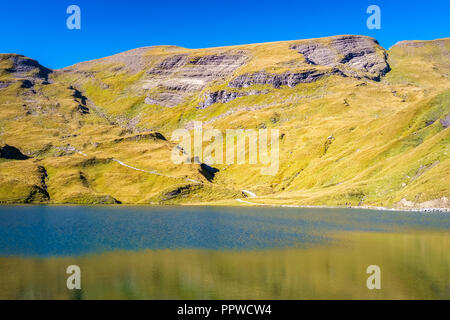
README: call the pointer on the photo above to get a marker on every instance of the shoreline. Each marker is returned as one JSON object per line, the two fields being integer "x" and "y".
{"x": 349, "y": 207}
{"x": 247, "y": 203}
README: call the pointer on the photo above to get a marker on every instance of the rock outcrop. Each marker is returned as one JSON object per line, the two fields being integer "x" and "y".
{"x": 24, "y": 68}
{"x": 180, "y": 192}
{"x": 446, "y": 122}
{"x": 355, "y": 56}
{"x": 181, "y": 75}
{"x": 289, "y": 79}
{"x": 37, "y": 195}
{"x": 38, "y": 192}
{"x": 142, "y": 136}
{"x": 223, "y": 96}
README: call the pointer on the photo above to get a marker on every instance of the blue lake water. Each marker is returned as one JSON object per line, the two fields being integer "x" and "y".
{"x": 131, "y": 252}
{"x": 76, "y": 230}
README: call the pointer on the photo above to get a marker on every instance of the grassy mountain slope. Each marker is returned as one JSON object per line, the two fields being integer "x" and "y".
{"x": 88, "y": 127}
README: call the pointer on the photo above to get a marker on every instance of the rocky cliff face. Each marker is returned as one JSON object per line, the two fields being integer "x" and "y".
{"x": 223, "y": 96}
{"x": 290, "y": 79}
{"x": 172, "y": 76}
{"x": 181, "y": 75}
{"x": 354, "y": 56}
{"x": 178, "y": 75}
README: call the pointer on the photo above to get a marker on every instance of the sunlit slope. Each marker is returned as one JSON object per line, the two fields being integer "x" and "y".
{"x": 359, "y": 125}
{"x": 56, "y": 148}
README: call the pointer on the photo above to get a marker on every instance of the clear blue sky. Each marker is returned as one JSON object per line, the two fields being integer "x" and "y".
{"x": 38, "y": 28}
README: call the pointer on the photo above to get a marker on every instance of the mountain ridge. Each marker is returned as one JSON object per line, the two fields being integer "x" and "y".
{"x": 399, "y": 43}
{"x": 393, "y": 104}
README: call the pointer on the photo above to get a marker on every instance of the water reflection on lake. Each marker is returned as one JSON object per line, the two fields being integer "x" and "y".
{"x": 222, "y": 253}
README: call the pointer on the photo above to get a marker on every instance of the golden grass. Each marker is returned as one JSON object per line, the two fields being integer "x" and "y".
{"x": 389, "y": 142}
